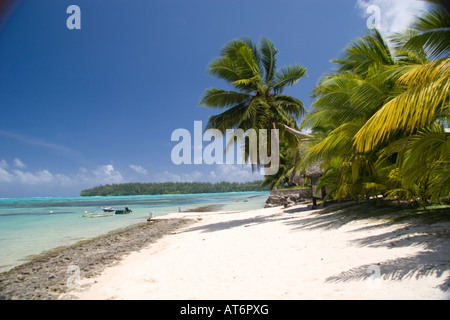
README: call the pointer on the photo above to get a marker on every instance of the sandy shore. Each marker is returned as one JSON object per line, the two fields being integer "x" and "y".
{"x": 51, "y": 273}
{"x": 284, "y": 254}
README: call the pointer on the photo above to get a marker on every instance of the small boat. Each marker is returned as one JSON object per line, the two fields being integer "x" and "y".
{"x": 122, "y": 211}
{"x": 117, "y": 211}
{"x": 98, "y": 215}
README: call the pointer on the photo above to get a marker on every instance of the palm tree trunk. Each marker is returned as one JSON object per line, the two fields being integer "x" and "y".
{"x": 277, "y": 140}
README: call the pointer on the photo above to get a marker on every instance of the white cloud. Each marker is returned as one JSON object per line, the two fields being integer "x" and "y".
{"x": 14, "y": 180}
{"x": 167, "y": 176}
{"x": 107, "y": 175}
{"x": 5, "y": 176}
{"x": 234, "y": 173}
{"x": 138, "y": 169}
{"x": 220, "y": 172}
{"x": 395, "y": 15}
{"x": 18, "y": 163}
{"x": 4, "y": 164}
{"x": 104, "y": 174}
{"x": 40, "y": 177}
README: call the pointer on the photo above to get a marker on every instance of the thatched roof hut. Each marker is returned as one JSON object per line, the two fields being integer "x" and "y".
{"x": 314, "y": 171}
{"x": 298, "y": 177}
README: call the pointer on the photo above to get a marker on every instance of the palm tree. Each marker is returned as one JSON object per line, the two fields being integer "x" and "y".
{"x": 378, "y": 120}
{"x": 345, "y": 100}
{"x": 425, "y": 87}
{"x": 281, "y": 178}
{"x": 413, "y": 121}
{"x": 256, "y": 100}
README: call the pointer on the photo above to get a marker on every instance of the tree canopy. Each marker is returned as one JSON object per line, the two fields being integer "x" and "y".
{"x": 130, "y": 189}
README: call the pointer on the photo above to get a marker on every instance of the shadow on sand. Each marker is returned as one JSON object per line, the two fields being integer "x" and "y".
{"x": 413, "y": 229}
{"x": 430, "y": 229}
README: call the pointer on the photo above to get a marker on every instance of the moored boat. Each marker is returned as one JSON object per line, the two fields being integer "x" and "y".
{"x": 117, "y": 211}
{"x": 98, "y": 215}
{"x": 123, "y": 211}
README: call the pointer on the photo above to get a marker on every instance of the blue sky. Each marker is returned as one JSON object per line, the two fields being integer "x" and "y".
{"x": 98, "y": 105}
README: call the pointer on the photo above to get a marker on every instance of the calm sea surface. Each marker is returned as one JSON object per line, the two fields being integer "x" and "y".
{"x": 27, "y": 227}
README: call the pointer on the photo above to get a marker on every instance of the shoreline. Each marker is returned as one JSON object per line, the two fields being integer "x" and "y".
{"x": 30, "y": 229}
{"x": 45, "y": 275}
{"x": 273, "y": 253}
{"x": 284, "y": 254}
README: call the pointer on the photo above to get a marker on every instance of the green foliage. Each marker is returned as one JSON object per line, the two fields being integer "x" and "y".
{"x": 281, "y": 178}
{"x": 379, "y": 121}
{"x": 131, "y": 189}
{"x": 256, "y": 100}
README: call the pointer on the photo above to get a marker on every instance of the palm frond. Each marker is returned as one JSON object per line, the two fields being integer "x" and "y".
{"x": 337, "y": 142}
{"x": 435, "y": 42}
{"x": 430, "y": 71}
{"x": 268, "y": 60}
{"x": 433, "y": 33}
{"x": 288, "y": 76}
{"x": 365, "y": 53}
{"x": 227, "y": 119}
{"x": 292, "y": 105}
{"x": 427, "y": 93}
{"x": 218, "y": 98}
{"x": 225, "y": 69}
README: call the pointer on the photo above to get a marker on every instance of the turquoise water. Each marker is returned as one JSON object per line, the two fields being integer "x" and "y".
{"x": 27, "y": 227}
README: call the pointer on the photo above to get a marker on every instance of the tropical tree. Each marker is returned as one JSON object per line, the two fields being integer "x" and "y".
{"x": 379, "y": 120}
{"x": 345, "y": 100}
{"x": 424, "y": 95}
{"x": 413, "y": 121}
{"x": 282, "y": 177}
{"x": 255, "y": 99}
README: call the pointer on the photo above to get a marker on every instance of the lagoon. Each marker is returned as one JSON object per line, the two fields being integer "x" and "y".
{"x": 27, "y": 228}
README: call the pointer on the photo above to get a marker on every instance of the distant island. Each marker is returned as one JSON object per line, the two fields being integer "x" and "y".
{"x": 132, "y": 189}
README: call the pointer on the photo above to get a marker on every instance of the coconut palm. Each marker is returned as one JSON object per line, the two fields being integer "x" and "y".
{"x": 413, "y": 121}
{"x": 281, "y": 178}
{"x": 383, "y": 111}
{"x": 345, "y": 100}
{"x": 424, "y": 95}
{"x": 256, "y": 100}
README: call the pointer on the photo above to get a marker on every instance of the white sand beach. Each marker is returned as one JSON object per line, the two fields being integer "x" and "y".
{"x": 282, "y": 254}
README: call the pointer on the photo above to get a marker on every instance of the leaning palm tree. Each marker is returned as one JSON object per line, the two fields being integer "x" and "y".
{"x": 256, "y": 100}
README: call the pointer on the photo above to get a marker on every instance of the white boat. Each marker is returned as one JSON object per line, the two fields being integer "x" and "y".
{"x": 98, "y": 215}
{"x": 117, "y": 211}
